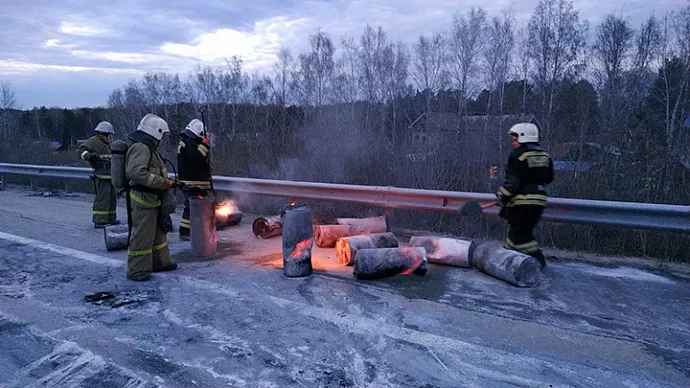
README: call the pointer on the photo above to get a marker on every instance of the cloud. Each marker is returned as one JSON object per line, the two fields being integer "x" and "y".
{"x": 10, "y": 67}
{"x": 127, "y": 38}
{"x": 256, "y": 47}
{"x": 124, "y": 57}
{"x": 81, "y": 30}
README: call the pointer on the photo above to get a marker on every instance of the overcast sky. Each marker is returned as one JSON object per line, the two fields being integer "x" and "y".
{"x": 74, "y": 53}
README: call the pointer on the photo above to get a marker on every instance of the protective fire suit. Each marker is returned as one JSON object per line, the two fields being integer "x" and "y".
{"x": 193, "y": 170}
{"x": 146, "y": 173}
{"x": 96, "y": 151}
{"x": 523, "y": 196}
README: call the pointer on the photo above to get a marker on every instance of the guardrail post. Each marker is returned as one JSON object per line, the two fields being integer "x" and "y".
{"x": 3, "y": 181}
{"x": 390, "y": 219}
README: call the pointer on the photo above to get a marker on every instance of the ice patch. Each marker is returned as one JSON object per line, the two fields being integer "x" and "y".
{"x": 626, "y": 273}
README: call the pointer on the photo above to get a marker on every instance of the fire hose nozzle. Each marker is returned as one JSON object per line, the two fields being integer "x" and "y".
{"x": 193, "y": 190}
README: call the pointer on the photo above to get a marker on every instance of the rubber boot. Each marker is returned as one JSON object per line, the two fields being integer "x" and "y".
{"x": 540, "y": 257}
{"x": 139, "y": 277}
{"x": 170, "y": 267}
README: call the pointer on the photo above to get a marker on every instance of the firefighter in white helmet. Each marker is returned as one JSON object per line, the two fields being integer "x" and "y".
{"x": 96, "y": 151}
{"x": 523, "y": 193}
{"x": 193, "y": 166}
{"x": 148, "y": 180}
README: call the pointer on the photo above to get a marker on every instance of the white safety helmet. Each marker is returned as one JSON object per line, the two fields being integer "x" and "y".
{"x": 104, "y": 127}
{"x": 196, "y": 127}
{"x": 526, "y": 132}
{"x": 154, "y": 126}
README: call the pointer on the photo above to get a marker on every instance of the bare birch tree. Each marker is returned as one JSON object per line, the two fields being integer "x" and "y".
{"x": 556, "y": 42}
{"x": 612, "y": 51}
{"x": 8, "y": 102}
{"x": 234, "y": 89}
{"x": 396, "y": 61}
{"x": 466, "y": 44}
{"x": 523, "y": 64}
{"x": 496, "y": 55}
{"x": 283, "y": 72}
{"x": 322, "y": 51}
{"x": 373, "y": 44}
{"x": 428, "y": 66}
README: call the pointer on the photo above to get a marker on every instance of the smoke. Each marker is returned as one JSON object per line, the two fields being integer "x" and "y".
{"x": 331, "y": 149}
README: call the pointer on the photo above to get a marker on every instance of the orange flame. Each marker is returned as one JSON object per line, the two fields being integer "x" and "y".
{"x": 416, "y": 261}
{"x": 292, "y": 202}
{"x": 225, "y": 209}
{"x": 492, "y": 171}
{"x": 301, "y": 249}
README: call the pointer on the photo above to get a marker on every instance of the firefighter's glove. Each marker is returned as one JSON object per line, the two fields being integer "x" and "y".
{"x": 168, "y": 184}
{"x": 93, "y": 157}
{"x": 504, "y": 200}
{"x": 166, "y": 223}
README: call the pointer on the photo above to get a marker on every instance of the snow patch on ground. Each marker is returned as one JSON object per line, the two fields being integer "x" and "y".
{"x": 625, "y": 273}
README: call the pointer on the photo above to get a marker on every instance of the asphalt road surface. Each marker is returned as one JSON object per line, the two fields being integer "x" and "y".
{"x": 236, "y": 321}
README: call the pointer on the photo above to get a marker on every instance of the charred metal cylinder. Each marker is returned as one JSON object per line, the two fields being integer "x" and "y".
{"x": 514, "y": 267}
{"x": 446, "y": 251}
{"x": 267, "y": 227}
{"x": 378, "y": 263}
{"x": 346, "y": 248}
{"x": 116, "y": 237}
{"x": 298, "y": 241}
{"x": 227, "y": 214}
{"x": 118, "y": 149}
{"x": 325, "y": 236}
{"x": 202, "y": 236}
{"x": 377, "y": 224}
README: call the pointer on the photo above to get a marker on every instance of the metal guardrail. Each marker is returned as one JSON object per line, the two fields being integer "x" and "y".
{"x": 623, "y": 214}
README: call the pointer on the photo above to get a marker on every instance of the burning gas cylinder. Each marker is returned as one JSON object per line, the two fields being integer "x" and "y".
{"x": 298, "y": 240}
{"x": 203, "y": 238}
{"x": 227, "y": 214}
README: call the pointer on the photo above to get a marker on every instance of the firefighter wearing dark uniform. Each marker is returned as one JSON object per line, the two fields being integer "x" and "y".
{"x": 147, "y": 178}
{"x": 192, "y": 166}
{"x": 523, "y": 193}
{"x": 96, "y": 151}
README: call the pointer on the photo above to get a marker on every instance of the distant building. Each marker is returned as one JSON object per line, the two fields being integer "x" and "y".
{"x": 483, "y": 138}
{"x": 47, "y": 144}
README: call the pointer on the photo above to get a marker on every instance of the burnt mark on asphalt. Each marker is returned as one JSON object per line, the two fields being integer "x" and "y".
{"x": 224, "y": 249}
{"x": 116, "y": 299}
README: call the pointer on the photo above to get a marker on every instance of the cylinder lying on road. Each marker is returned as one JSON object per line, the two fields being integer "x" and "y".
{"x": 227, "y": 214}
{"x": 116, "y": 237}
{"x": 267, "y": 227}
{"x": 325, "y": 236}
{"x": 447, "y": 251}
{"x": 202, "y": 236}
{"x": 346, "y": 248}
{"x": 514, "y": 267}
{"x": 376, "y": 263}
{"x": 298, "y": 240}
{"x": 375, "y": 223}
